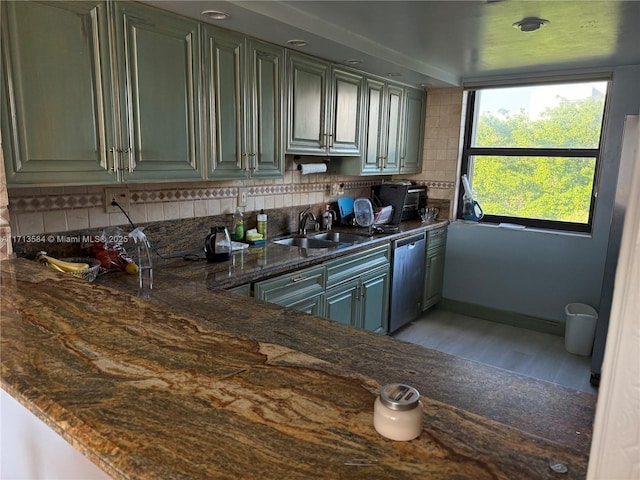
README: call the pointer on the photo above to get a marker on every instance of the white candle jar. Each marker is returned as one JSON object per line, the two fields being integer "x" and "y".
{"x": 397, "y": 412}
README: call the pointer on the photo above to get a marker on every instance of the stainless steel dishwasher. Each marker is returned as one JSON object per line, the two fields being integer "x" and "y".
{"x": 407, "y": 282}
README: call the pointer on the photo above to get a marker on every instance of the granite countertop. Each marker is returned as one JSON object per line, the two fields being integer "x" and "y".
{"x": 202, "y": 383}
{"x": 253, "y": 263}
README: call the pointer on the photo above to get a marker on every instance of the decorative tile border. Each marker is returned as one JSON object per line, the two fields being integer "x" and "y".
{"x": 69, "y": 201}
{"x": 440, "y": 185}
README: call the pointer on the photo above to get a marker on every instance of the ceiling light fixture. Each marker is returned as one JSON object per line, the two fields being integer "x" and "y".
{"x": 353, "y": 61}
{"x": 297, "y": 43}
{"x": 394, "y": 74}
{"x": 215, "y": 14}
{"x": 530, "y": 24}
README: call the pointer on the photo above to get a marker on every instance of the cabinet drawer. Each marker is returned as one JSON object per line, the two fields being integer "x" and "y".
{"x": 307, "y": 282}
{"x": 436, "y": 238}
{"x": 350, "y": 266}
{"x": 242, "y": 290}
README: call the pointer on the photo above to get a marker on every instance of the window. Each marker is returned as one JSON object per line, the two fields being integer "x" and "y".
{"x": 531, "y": 153}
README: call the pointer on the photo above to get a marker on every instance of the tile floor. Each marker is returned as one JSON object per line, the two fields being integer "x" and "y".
{"x": 530, "y": 353}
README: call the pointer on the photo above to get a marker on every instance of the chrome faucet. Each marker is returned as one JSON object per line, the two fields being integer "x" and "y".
{"x": 305, "y": 215}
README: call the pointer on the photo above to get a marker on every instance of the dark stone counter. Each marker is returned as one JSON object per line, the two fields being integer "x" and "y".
{"x": 196, "y": 382}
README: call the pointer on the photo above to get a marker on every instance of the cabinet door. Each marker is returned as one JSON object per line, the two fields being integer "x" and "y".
{"x": 413, "y": 131}
{"x": 373, "y": 143}
{"x": 345, "y": 130}
{"x": 311, "y": 304}
{"x": 159, "y": 69}
{"x": 342, "y": 303}
{"x": 265, "y": 85}
{"x": 392, "y": 150}
{"x": 225, "y": 129}
{"x": 308, "y": 282}
{"x": 307, "y": 91}
{"x": 57, "y": 116}
{"x": 375, "y": 300}
{"x": 434, "y": 272}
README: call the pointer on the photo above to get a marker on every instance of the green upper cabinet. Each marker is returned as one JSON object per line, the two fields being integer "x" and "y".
{"x": 375, "y": 104}
{"x": 57, "y": 121}
{"x": 307, "y": 98}
{"x": 224, "y": 65}
{"x": 383, "y": 139}
{"x": 243, "y": 101}
{"x": 413, "y": 131}
{"x": 265, "y": 123}
{"x": 324, "y": 108}
{"x": 158, "y": 56}
{"x": 391, "y": 136}
{"x": 344, "y": 133}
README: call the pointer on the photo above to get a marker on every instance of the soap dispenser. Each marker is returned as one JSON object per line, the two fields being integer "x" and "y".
{"x": 327, "y": 218}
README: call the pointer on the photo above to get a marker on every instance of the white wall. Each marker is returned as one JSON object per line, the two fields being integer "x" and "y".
{"x": 30, "y": 450}
{"x": 614, "y": 451}
{"x": 538, "y": 273}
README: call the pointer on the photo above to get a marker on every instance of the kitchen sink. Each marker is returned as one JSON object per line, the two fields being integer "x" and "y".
{"x": 323, "y": 240}
{"x": 340, "y": 237}
{"x": 306, "y": 242}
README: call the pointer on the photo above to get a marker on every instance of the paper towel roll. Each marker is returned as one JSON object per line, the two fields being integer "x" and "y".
{"x": 308, "y": 168}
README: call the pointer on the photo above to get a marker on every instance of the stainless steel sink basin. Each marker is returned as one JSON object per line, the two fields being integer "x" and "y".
{"x": 323, "y": 240}
{"x": 340, "y": 237}
{"x": 307, "y": 242}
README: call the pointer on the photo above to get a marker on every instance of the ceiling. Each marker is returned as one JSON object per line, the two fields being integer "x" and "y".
{"x": 442, "y": 43}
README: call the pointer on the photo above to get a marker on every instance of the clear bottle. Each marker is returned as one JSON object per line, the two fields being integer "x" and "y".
{"x": 238, "y": 225}
{"x": 262, "y": 224}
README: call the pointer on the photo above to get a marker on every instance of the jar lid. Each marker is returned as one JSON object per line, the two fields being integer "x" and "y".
{"x": 398, "y": 396}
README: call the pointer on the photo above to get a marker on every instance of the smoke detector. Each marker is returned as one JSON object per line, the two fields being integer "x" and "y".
{"x": 530, "y": 24}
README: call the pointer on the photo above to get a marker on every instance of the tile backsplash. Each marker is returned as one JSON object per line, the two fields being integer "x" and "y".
{"x": 32, "y": 211}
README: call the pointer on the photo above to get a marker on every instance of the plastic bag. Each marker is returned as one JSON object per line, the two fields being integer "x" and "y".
{"x": 109, "y": 248}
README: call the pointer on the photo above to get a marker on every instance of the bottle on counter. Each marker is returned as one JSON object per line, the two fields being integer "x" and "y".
{"x": 238, "y": 225}
{"x": 327, "y": 218}
{"x": 262, "y": 224}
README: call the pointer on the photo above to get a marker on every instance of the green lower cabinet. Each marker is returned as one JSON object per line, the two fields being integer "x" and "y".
{"x": 353, "y": 289}
{"x": 434, "y": 267}
{"x": 241, "y": 290}
{"x": 375, "y": 300}
{"x": 342, "y": 302}
{"x": 362, "y": 302}
{"x": 358, "y": 289}
{"x": 302, "y": 290}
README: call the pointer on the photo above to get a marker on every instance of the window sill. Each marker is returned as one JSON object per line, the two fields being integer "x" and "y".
{"x": 512, "y": 227}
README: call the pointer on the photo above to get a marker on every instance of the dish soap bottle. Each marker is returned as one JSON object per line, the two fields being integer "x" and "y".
{"x": 262, "y": 224}
{"x": 238, "y": 225}
{"x": 327, "y": 218}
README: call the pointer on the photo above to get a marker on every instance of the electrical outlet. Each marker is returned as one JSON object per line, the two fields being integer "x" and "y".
{"x": 242, "y": 196}
{"x": 337, "y": 189}
{"x": 120, "y": 195}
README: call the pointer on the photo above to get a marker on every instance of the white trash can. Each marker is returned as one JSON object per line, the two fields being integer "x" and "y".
{"x": 580, "y": 328}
